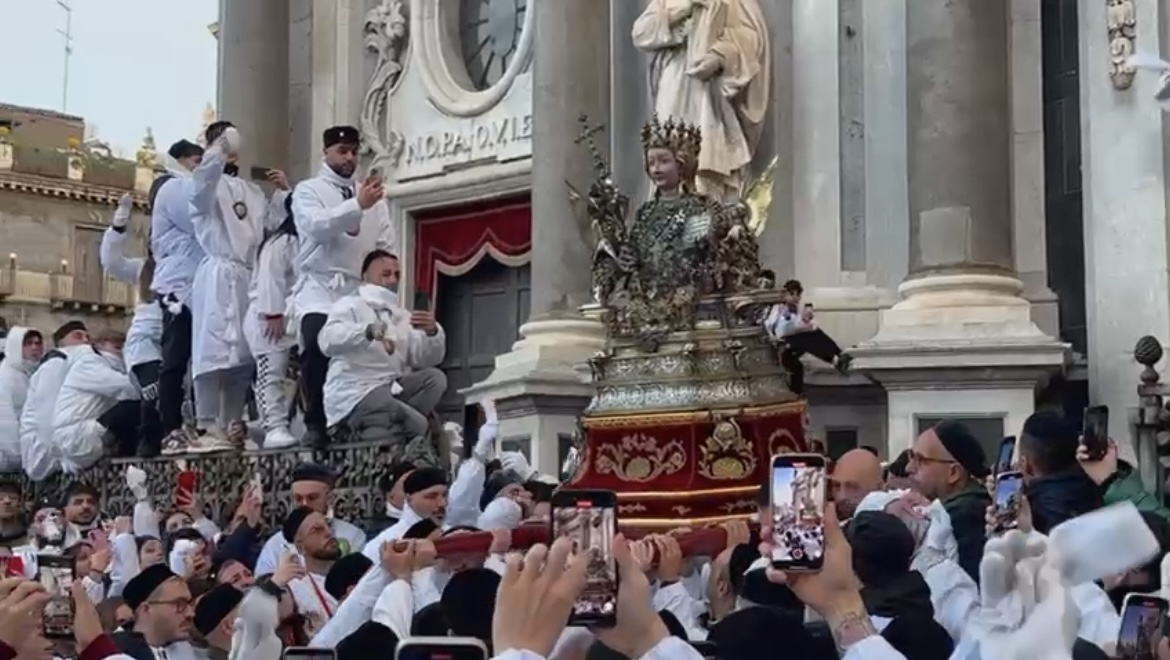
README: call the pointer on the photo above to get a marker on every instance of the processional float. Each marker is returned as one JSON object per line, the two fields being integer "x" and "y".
{"x": 691, "y": 401}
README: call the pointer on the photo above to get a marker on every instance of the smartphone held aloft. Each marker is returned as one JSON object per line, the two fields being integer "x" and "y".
{"x": 589, "y": 518}
{"x": 441, "y": 648}
{"x": 799, "y": 493}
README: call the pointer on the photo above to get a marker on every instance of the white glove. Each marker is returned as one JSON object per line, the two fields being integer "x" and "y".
{"x": 122, "y": 215}
{"x": 136, "y": 482}
{"x": 515, "y": 461}
{"x": 485, "y": 445}
{"x": 229, "y": 141}
{"x": 1052, "y": 617}
{"x": 1009, "y": 565}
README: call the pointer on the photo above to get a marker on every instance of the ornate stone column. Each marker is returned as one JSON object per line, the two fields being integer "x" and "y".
{"x": 962, "y": 323}
{"x": 253, "y": 77}
{"x": 543, "y": 384}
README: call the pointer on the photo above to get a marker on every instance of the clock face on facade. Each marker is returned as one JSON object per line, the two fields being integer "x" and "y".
{"x": 489, "y": 37}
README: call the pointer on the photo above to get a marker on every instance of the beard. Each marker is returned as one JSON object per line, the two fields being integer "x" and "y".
{"x": 344, "y": 171}
{"x": 331, "y": 552}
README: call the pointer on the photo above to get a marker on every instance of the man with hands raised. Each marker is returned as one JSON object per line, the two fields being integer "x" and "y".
{"x": 339, "y": 221}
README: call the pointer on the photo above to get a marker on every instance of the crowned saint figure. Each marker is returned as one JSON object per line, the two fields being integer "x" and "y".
{"x": 708, "y": 68}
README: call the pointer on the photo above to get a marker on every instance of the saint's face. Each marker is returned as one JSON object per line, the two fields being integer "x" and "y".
{"x": 663, "y": 168}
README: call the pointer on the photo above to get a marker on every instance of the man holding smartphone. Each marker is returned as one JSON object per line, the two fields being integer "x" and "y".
{"x": 339, "y": 221}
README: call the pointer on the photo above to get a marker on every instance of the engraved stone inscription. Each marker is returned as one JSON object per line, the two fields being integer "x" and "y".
{"x": 480, "y": 140}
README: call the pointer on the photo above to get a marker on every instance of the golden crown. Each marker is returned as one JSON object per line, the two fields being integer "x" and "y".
{"x": 675, "y": 135}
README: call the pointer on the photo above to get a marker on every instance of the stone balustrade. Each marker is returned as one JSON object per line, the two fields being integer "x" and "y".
{"x": 63, "y": 289}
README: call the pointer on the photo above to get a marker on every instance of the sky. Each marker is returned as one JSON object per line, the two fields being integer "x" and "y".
{"x": 135, "y": 64}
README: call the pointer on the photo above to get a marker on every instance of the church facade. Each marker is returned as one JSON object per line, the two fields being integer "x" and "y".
{"x": 972, "y": 193}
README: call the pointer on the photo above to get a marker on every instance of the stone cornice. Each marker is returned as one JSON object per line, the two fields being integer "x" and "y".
{"x": 70, "y": 190}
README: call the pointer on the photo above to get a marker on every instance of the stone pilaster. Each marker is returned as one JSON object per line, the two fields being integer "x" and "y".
{"x": 571, "y": 76}
{"x": 961, "y": 323}
{"x": 253, "y": 78}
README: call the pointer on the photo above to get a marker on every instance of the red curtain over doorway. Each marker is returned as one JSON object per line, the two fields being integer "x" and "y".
{"x": 453, "y": 242}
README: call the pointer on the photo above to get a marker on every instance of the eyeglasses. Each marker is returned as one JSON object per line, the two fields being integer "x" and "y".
{"x": 180, "y": 604}
{"x": 915, "y": 457}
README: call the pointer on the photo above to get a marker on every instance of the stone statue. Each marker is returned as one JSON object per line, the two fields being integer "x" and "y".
{"x": 147, "y": 153}
{"x": 710, "y": 68}
{"x": 680, "y": 246}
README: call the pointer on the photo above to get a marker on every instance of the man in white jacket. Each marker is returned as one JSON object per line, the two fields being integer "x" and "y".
{"x": 173, "y": 244}
{"x": 383, "y": 381}
{"x": 97, "y": 406}
{"x": 229, "y": 215}
{"x": 36, "y": 420}
{"x": 23, "y": 350}
{"x": 339, "y": 221}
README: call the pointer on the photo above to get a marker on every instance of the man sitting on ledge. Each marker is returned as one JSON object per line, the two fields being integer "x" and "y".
{"x": 383, "y": 381}
{"x": 796, "y": 325}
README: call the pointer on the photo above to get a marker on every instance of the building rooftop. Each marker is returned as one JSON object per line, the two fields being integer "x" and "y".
{"x": 40, "y": 112}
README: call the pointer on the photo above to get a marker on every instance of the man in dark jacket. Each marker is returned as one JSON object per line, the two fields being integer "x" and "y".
{"x": 1055, "y": 485}
{"x": 948, "y": 464}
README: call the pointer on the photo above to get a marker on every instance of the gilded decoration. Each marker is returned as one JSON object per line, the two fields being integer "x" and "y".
{"x": 651, "y": 273}
{"x": 781, "y": 441}
{"x": 385, "y": 32}
{"x": 1122, "y": 22}
{"x": 726, "y": 455}
{"x": 639, "y": 458}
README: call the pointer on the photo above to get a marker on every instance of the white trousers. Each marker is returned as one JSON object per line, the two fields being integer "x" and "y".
{"x": 272, "y": 396}
{"x": 220, "y": 397}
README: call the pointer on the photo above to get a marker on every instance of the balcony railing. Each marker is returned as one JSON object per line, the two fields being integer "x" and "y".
{"x": 67, "y": 290}
{"x": 54, "y": 164}
{"x": 7, "y": 281}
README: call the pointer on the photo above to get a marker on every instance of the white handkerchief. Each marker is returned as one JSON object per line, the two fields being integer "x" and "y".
{"x": 489, "y": 411}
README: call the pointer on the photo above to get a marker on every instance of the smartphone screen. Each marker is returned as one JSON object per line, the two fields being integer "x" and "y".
{"x": 259, "y": 173}
{"x": 1007, "y": 451}
{"x": 55, "y": 574}
{"x": 441, "y": 648}
{"x": 422, "y": 301}
{"x": 12, "y": 566}
{"x": 798, "y": 512}
{"x": 1009, "y": 488}
{"x": 589, "y": 517}
{"x": 307, "y": 653}
{"x": 1095, "y": 434}
{"x": 1141, "y": 625}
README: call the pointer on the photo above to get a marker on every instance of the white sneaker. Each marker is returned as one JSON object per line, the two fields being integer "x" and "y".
{"x": 279, "y": 438}
{"x": 176, "y": 443}
{"x": 211, "y": 443}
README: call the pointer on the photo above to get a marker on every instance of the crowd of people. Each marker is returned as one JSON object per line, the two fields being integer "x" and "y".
{"x": 233, "y": 282}
{"x": 914, "y": 573}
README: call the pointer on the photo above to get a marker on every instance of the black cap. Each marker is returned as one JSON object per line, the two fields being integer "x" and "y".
{"x": 362, "y": 642}
{"x": 215, "y": 606}
{"x": 184, "y": 149}
{"x": 341, "y": 135}
{"x": 65, "y": 329}
{"x": 496, "y": 483}
{"x": 469, "y": 600}
{"x": 314, "y": 472}
{"x": 293, "y": 521}
{"x": 424, "y": 478}
{"x": 137, "y": 591}
{"x": 963, "y": 446}
{"x": 396, "y": 472}
{"x": 345, "y": 573}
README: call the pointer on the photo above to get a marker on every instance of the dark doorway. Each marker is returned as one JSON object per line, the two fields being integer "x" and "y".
{"x": 1063, "y": 199}
{"x": 481, "y": 312}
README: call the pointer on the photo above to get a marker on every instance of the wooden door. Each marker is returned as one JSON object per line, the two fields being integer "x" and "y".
{"x": 481, "y": 312}
{"x": 87, "y": 267}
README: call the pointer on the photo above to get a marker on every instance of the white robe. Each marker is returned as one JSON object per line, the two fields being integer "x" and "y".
{"x": 220, "y": 291}
{"x": 144, "y": 338}
{"x": 15, "y": 372}
{"x": 357, "y": 365}
{"x": 37, "y": 449}
{"x": 94, "y": 383}
{"x": 335, "y": 236}
{"x": 272, "y": 283}
{"x": 172, "y": 238}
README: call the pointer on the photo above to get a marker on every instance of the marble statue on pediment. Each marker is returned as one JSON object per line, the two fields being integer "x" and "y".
{"x": 710, "y": 68}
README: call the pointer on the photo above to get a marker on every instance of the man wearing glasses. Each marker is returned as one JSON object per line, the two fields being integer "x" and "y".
{"x": 947, "y": 464}
{"x": 163, "y": 614}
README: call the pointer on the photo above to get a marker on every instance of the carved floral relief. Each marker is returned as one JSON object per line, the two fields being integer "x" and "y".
{"x": 1122, "y": 21}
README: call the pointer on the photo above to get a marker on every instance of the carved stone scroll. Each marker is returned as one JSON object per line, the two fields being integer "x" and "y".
{"x": 386, "y": 36}
{"x": 1122, "y": 17}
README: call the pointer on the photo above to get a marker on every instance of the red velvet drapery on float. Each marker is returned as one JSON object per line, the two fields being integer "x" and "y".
{"x": 453, "y": 242}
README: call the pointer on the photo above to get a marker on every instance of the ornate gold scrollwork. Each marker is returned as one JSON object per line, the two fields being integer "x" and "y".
{"x": 638, "y": 458}
{"x": 681, "y": 510}
{"x": 726, "y": 455}
{"x": 636, "y": 507}
{"x": 781, "y": 441}
{"x": 739, "y": 506}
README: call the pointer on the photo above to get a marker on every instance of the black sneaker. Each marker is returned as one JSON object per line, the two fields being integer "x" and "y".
{"x": 316, "y": 439}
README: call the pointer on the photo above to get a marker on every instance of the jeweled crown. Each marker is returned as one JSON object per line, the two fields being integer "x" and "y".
{"x": 676, "y": 135}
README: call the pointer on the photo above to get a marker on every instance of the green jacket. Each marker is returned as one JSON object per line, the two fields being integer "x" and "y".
{"x": 1126, "y": 486}
{"x": 968, "y": 511}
